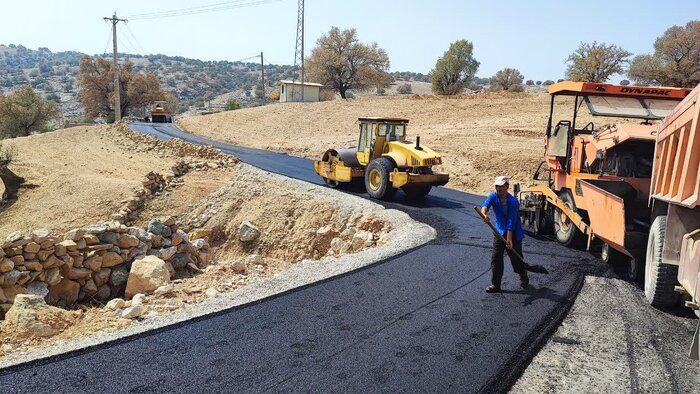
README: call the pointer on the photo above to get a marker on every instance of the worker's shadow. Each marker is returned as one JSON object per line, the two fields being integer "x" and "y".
{"x": 534, "y": 293}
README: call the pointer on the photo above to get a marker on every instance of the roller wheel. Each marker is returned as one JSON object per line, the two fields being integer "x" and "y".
{"x": 660, "y": 277}
{"x": 566, "y": 232}
{"x": 377, "y": 179}
{"x": 417, "y": 192}
{"x": 620, "y": 262}
{"x": 331, "y": 183}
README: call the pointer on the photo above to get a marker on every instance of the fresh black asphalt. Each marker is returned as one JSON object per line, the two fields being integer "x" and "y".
{"x": 417, "y": 322}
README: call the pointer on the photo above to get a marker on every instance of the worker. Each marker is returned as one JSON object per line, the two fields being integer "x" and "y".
{"x": 505, "y": 208}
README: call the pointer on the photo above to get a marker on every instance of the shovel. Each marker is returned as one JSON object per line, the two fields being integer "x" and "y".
{"x": 538, "y": 269}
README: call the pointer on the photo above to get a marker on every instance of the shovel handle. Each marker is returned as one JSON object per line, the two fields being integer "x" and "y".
{"x": 499, "y": 235}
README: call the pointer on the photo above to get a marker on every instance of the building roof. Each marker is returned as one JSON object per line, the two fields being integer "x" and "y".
{"x": 299, "y": 83}
{"x": 382, "y": 119}
{"x": 569, "y": 88}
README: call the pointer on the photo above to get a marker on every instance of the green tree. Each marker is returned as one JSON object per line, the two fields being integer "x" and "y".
{"x": 624, "y": 82}
{"x": 339, "y": 61}
{"x": 404, "y": 88}
{"x": 548, "y": 82}
{"x": 507, "y": 79}
{"x": 675, "y": 61}
{"x": 529, "y": 82}
{"x": 232, "y": 105}
{"x": 455, "y": 70}
{"x": 594, "y": 62}
{"x": 24, "y": 112}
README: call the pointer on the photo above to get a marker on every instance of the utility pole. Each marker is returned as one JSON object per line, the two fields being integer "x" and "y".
{"x": 299, "y": 52}
{"x": 262, "y": 73}
{"x": 117, "y": 93}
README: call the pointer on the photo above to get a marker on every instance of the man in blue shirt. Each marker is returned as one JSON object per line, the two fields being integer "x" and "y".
{"x": 505, "y": 209}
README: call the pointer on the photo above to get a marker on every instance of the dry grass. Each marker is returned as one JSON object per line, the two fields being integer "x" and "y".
{"x": 480, "y": 135}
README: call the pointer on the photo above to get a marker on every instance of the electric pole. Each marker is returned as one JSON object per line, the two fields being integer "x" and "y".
{"x": 262, "y": 73}
{"x": 117, "y": 93}
{"x": 299, "y": 52}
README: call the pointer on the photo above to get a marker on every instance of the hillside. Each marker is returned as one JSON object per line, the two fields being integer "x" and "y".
{"x": 194, "y": 81}
{"x": 479, "y": 135}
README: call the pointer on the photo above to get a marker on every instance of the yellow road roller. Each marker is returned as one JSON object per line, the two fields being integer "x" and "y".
{"x": 385, "y": 160}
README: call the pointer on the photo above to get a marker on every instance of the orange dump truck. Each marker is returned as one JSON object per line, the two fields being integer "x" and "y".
{"x": 628, "y": 180}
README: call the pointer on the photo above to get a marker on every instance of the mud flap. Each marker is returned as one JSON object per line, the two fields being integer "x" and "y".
{"x": 695, "y": 346}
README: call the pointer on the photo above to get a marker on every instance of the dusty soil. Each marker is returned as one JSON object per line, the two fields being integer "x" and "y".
{"x": 74, "y": 177}
{"x": 79, "y": 176}
{"x": 480, "y": 135}
{"x": 630, "y": 348}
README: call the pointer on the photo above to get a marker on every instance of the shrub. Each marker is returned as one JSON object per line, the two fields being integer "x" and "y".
{"x": 232, "y": 105}
{"x": 404, "y": 89}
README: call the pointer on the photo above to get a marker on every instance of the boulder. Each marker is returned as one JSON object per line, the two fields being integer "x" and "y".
{"x": 127, "y": 241}
{"x": 16, "y": 236}
{"x": 74, "y": 235}
{"x": 179, "y": 237}
{"x": 200, "y": 244}
{"x": 34, "y": 265}
{"x": 98, "y": 228}
{"x": 155, "y": 226}
{"x": 146, "y": 275}
{"x": 32, "y": 247}
{"x": 13, "y": 291}
{"x": 53, "y": 276}
{"x": 69, "y": 244}
{"x": 167, "y": 253}
{"x": 132, "y": 312}
{"x": 94, "y": 263}
{"x": 108, "y": 238}
{"x": 38, "y": 288}
{"x": 238, "y": 266}
{"x": 115, "y": 304}
{"x": 91, "y": 239}
{"x": 117, "y": 279}
{"x": 10, "y": 278}
{"x": 60, "y": 250}
{"x": 180, "y": 260}
{"x": 103, "y": 292}
{"x": 30, "y": 316}
{"x": 102, "y": 276}
{"x": 65, "y": 293}
{"x": 79, "y": 273}
{"x": 6, "y": 265}
{"x": 40, "y": 235}
{"x": 110, "y": 259}
{"x": 247, "y": 232}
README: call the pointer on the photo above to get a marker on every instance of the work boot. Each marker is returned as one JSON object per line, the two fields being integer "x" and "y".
{"x": 524, "y": 280}
{"x": 493, "y": 289}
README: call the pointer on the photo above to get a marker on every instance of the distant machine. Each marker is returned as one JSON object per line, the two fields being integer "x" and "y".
{"x": 159, "y": 114}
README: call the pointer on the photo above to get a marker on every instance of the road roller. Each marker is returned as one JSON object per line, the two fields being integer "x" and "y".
{"x": 385, "y": 160}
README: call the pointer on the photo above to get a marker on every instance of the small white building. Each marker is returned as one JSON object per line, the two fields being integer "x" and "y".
{"x": 291, "y": 91}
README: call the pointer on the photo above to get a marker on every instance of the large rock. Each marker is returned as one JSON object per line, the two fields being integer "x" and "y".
{"x": 180, "y": 260}
{"x": 146, "y": 275}
{"x": 132, "y": 312}
{"x": 53, "y": 276}
{"x": 155, "y": 226}
{"x": 126, "y": 241}
{"x": 110, "y": 259}
{"x": 30, "y": 316}
{"x": 32, "y": 247}
{"x": 74, "y": 235}
{"x": 10, "y": 278}
{"x": 117, "y": 280}
{"x": 247, "y": 232}
{"x": 96, "y": 228}
{"x": 6, "y": 265}
{"x": 38, "y": 288}
{"x": 65, "y": 293}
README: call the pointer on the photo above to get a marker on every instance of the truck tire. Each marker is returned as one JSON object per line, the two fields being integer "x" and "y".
{"x": 660, "y": 278}
{"x": 619, "y": 262}
{"x": 417, "y": 192}
{"x": 377, "y": 180}
{"x": 566, "y": 232}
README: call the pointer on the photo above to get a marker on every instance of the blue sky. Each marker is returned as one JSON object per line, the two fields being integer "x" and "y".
{"x": 533, "y": 36}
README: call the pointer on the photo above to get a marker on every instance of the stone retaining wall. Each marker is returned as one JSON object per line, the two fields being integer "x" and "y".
{"x": 90, "y": 263}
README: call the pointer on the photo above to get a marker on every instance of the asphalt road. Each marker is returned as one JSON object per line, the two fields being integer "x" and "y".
{"x": 418, "y": 322}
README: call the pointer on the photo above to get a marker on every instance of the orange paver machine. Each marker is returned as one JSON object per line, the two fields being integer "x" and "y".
{"x": 630, "y": 184}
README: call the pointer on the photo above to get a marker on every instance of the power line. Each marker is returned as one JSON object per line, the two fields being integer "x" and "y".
{"x": 109, "y": 37}
{"x": 201, "y": 9}
{"x": 135, "y": 39}
{"x": 131, "y": 46}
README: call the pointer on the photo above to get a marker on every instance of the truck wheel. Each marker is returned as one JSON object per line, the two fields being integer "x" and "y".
{"x": 660, "y": 278}
{"x": 417, "y": 192}
{"x": 566, "y": 232}
{"x": 377, "y": 179}
{"x": 620, "y": 262}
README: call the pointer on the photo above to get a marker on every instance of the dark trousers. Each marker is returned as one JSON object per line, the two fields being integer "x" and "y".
{"x": 497, "y": 260}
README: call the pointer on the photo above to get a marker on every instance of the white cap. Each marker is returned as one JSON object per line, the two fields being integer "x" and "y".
{"x": 500, "y": 181}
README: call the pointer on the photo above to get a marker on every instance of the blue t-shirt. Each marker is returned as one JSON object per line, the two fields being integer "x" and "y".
{"x": 507, "y": 217}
